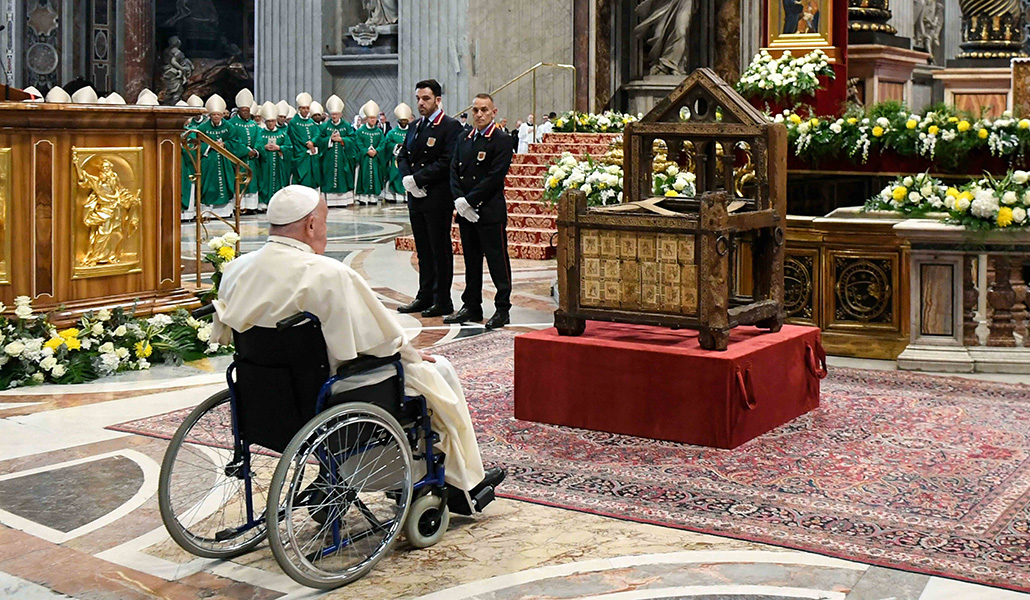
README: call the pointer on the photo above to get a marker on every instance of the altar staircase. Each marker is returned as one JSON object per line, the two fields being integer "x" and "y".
{"x": 532, "y": 227}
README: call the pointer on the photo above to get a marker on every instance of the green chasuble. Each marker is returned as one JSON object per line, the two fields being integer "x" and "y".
{"x": 273, "y": 167}
{"x": 246, "y": 134}
{"x": 187, "y": 170}
{"x": 338, "y": 159}
{"x": 217, "y": 176}
{"x": 307, "y": 168}
{"x": 388, "y": 150}
{"x": 370, "y": 169}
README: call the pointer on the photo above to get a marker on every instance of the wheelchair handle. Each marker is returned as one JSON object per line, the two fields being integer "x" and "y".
{"x": 203, "y": 311}
{"x": 295, "y": 320}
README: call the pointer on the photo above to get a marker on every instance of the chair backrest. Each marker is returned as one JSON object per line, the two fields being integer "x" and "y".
{"x": 278, "y": 376}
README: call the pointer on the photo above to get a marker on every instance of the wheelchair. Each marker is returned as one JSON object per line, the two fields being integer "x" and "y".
{"x": 329, "y": 478}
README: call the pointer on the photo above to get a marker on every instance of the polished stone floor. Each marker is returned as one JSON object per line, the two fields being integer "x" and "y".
{"x": 79, "y": 515}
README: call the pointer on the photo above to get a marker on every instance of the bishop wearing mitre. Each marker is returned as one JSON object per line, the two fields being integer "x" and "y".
{"x": 246, "y": 137}
{"x": 304, "y": 135}
{"x": 368, "y": 137}
{"x": 338, "y": 147}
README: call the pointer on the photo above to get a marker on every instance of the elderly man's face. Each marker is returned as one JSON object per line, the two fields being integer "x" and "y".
{"x": 317, "y": 231}
{"x": 245, "y": 113}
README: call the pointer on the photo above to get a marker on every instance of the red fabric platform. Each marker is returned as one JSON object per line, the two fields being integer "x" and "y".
{"x": 658, "y": 383}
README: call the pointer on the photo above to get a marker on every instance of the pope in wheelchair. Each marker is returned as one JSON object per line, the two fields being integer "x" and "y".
{"x": 375, "y": 437}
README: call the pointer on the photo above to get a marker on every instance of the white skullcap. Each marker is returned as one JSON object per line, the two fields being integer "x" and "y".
{"x": 291, "y": 204}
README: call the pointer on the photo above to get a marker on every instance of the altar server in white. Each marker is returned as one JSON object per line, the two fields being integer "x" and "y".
{"x": 290, "y": 274}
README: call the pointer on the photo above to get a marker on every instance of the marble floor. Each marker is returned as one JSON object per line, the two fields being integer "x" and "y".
{"x": 79, "y": 515}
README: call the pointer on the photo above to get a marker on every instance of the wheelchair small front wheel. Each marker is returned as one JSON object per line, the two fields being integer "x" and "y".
{"x": 427, "y": 521}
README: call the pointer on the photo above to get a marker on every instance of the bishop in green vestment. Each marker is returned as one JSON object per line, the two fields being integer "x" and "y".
{"x": 338, "y": 148}
{"x": 368, "y": 137}
{"x": 274, "y": 156}
{"x": 246, "y": 133}
{"x": 393, "y": 189}
{"x": 304, "y": 136}
{"x": 217, "y": 174}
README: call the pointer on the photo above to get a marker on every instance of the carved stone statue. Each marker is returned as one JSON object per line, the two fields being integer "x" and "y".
{"x": 111, "y": 213}
{"x": 929, "y": 22}
{"x": 665, "y": 23}
{"x": 176, "y": 70}
{"x": 381, "y": 12}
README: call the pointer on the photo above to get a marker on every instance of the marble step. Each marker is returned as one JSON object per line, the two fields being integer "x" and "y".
{"x": 516, "y": 250}
{"x": 575, "y": 149}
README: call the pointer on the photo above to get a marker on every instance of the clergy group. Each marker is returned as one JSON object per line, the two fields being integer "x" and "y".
{"x": 310, "y": 145}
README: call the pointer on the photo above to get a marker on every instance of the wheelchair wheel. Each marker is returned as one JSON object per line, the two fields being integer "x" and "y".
{"x": 427, "y": 521}
{"x": 343, "y": 488}
{"x": 202, "y": 489}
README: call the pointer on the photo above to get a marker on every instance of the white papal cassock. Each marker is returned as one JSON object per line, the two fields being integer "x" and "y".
{"x": 285, "y": 277}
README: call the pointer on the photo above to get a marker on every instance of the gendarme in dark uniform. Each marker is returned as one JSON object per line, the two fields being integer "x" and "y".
{"x": 426, "y": 155}
{"x": 481, "y": 161}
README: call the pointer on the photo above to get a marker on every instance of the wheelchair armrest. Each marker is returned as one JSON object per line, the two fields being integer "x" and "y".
{"x": 362, "y": 364}
{"x": 203, "y": 311}
{"x": 296, "y": 319}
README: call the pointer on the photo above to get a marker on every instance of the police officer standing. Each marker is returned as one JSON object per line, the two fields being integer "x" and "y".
{"x": 424, "y": 161}
{"x": 480, "y": 164}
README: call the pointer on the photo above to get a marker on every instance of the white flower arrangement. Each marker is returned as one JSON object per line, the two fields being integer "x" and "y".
{"x": 602, "y": 183}
{"x": 607, "y": 122}
{"x": 786, "y": 77}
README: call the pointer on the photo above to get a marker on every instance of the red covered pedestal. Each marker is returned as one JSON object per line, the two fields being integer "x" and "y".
{"x": 658, "y": 383}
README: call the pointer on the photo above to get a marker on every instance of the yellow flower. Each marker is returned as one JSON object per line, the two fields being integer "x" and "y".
{"x": 982, "y": 134}
{"x": 73, "y": 343}
{"x": 852, "y": 121}
{"x": 964, "y": 125}
{"x": 900, "y": 192}
{"x": 952, "y": 192}
{"x": 911, "y": 123}
{"x": 877, "y": 131}
{"x": 1024, "y": 123}
{"x": 953, "y": 119}
{"x": 143, "y": 349}
{"x": 967, "y": 195}
{"x": 69, "y": 333}
{"x": 814, "y": 122}
{"x": 559, "y": 123}
{"x": 227, "y": 252}
{"x": 552, "y": 182}
{"x": 671, "y": 193}
{"x": 933, "y": 129}
{"x": 1004, "y": 216}
{"x": 54, "y": 343}
{"x": 795, "y": 119}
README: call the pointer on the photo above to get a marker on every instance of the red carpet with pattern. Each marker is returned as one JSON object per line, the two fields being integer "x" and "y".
{"x": 921, "y": 473}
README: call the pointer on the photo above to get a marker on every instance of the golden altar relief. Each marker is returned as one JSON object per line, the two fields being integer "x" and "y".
{"x": 5, "y": 212}
{"x": 107, "y": 210}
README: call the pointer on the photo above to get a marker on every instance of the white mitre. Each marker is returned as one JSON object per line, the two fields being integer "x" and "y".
{"x": 195, "y": 101}
{"x": 303, "y": 99}
{"x": 114, "y": 98}
{"x": 147, "y": 98}
{"x": 370, "y": 109}
{"x": 291, "y": 204}
{"x": 316, "y": 109}
{"x": 58, "y": 95}
{"x": 402, "y": 112}
{"x": 244, "y": 98}
{"x": 269, "y": 111}
{"x": 334, "y": 104}
{"x": 86, "y": 95}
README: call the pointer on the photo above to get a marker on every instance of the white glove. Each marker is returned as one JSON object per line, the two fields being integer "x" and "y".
{"x": 409, "y": 184}
{"x": 465, "y": 210}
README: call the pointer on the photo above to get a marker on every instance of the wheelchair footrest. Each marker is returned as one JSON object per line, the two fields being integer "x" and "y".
{"x": 458, "y": 500}
{"x": 484, "y": 497}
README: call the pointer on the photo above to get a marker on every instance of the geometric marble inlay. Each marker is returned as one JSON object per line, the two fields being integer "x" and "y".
{"x": 69, "y": 497}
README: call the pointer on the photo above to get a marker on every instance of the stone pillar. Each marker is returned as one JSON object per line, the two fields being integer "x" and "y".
{"x": 434, "y": 43}
{"x": 991, "y": 29}
{"x": 138, "y": 49}
{"x": 288, "y": 49}
{"x": 581, "y": 52}
{"x": 727, "y": 39}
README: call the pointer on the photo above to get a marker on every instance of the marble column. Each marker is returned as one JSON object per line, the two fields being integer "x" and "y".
{"x": 434, "y": 43}
{"x": 727, "y": 39}
{"x": 138, "y": 50}
{"x": 581, "y": 51}
{"x": 288, "y": 49}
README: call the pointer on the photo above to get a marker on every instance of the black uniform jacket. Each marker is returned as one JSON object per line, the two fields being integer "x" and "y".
{"x": 478, "y": 171}
{"x": 427, "y": 156}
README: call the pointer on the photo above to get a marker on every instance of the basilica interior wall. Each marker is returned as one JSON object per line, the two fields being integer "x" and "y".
{"x": 506, "y": 37}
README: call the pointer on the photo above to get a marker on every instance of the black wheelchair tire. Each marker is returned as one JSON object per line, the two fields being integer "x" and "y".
{"x": 427, "y": 521}
{"x": 279, "y": 484}
{"x": 171, "y": 522}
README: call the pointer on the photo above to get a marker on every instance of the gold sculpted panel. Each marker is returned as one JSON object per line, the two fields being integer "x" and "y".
{"x": 108, "y": 185}
{"x": 5, "y": 215}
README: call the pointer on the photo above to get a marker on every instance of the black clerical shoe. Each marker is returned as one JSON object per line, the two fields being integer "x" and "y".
{"x": 417, "y": 305}
{"x": 464, "y": 315}
{"x": 481, "y": 495}
{"x": 500, "y": 319}
{"x": 438, "y": 310}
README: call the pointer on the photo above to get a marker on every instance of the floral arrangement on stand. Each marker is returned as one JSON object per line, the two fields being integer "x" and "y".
{"x": 942, "y": 134}
{"x": 223, "y": 250}
{"x": 786, "y": 77}
{"x": 609, "y": 121}
{"x": 984, "y": 204}
{"x": 101, "y": 343}
{"x": 602, "y": 182}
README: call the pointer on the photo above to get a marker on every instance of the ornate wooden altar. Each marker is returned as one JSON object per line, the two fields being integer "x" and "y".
{"x": 89, "y": 203}
{"x": 671, "y": 260}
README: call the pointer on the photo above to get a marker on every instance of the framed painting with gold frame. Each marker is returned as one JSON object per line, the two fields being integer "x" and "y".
{"x": 801, "y": 25}
{"x": 5, "y": 215}
{"x": 107, "y": 212}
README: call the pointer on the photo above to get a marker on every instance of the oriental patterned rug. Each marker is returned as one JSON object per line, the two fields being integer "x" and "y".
{"x": 915, "y": 472}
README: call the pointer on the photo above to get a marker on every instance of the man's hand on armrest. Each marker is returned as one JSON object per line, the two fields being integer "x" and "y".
{"x": 427, "y": 357}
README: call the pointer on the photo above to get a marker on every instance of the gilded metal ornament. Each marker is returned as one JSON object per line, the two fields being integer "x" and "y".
{"x": 108, "y": 210}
